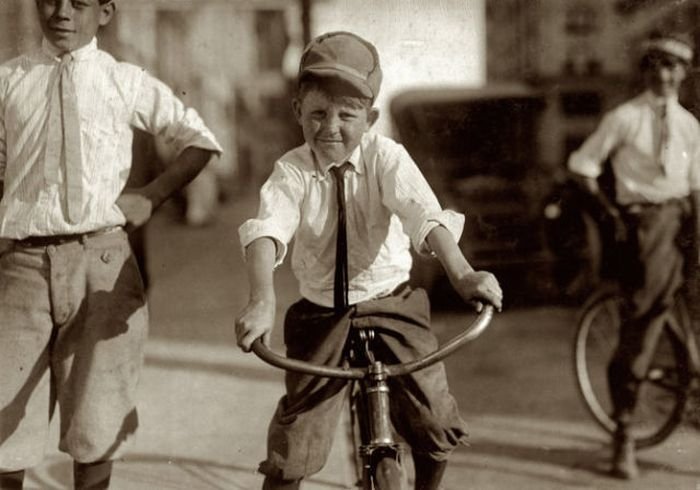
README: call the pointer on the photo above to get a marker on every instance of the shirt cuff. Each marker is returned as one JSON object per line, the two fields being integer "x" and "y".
{"x": 253, "y": 229}
{"x": 192, "y": 132}
{"x": 451, "y": 220}
{"x": 584, "y": 166}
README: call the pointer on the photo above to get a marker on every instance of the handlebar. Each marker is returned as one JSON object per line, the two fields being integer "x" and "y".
{"x": 475, "y": 329}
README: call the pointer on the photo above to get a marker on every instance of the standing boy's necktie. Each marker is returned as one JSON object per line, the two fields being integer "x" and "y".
{"x": 63, "y": 140}
{"x": 340, "y": 285}
{"x": 662, "y": 150}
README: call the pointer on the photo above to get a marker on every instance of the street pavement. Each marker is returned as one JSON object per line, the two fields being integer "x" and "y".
{"x": 205, "y": 405}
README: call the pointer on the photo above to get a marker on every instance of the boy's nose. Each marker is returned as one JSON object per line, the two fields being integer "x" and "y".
{"x": 332, "y": 122}
{"x": 63, "y": 9}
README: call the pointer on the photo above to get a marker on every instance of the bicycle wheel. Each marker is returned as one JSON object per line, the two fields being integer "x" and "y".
{"x": 662, "y": 393}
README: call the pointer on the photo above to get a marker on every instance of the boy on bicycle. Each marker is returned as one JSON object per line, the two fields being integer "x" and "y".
{"x": 73, "y": 315}
{"x": 354, "y": 202}
{"x": 654, "y": 147}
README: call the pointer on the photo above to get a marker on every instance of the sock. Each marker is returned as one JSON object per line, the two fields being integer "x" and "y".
{"x": 12, "y": 480}
{"x": 428, "y": 472}
{"x": 92, "y": 476}
{"x": 272, "y": 483}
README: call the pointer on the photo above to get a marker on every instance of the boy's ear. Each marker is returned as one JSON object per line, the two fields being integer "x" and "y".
{"x": 107, "y": 12}
{"x": 296, "y": 108}
{"x": 372, "y": 116}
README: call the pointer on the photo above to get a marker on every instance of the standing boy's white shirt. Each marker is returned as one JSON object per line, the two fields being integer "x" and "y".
{"x": 389, "y": 202}
{"x": 113, "y": 98}
{"x": 629, "y": 135}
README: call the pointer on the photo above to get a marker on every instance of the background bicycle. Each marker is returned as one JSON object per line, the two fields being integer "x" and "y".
{"x": 668, "y": 393}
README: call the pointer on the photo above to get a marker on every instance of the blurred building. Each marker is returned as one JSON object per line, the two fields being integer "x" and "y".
{"x": 582, "y": 54}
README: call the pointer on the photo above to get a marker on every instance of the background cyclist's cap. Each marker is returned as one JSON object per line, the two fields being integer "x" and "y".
{"x": 678, "y": 45}
{"x": 346, "y": 56}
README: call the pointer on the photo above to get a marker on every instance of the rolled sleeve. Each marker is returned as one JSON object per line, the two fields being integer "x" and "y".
{"x": 451, "y": 220}
{"x": 407, "y": 194}
{"x": 588, "y": 159}
{"x": 279, "y": 214}
{"x": 158, "y": 111}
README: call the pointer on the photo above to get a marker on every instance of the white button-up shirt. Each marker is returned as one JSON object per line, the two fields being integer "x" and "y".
{"x": 388, "y": 203}
{"x": 113, "y": 98}
{"x": 629, "y": 135}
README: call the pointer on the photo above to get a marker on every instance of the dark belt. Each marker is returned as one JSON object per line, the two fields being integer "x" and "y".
{"x": 640, "y": 207}
{"x": 395, "y": 292}
{"x": 45, "y": 241}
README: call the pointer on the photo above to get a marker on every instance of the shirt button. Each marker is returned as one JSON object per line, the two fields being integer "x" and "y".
{"x": 51, "y": 249}
{"x": 106, "y": 257}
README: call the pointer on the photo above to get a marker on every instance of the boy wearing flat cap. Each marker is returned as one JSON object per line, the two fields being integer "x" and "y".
{"x": 73, "y": 315}
{"x": 654, "y": 147}
{"x": 354, "y": 202}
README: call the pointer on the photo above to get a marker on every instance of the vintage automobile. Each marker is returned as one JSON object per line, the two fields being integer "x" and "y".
{"x": 478, "y": 149}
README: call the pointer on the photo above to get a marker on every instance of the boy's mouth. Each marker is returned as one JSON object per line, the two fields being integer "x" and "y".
{"x": 61, "y": 30}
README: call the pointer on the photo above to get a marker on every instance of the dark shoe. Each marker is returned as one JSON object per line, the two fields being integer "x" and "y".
{"x": 272, "y": 483}
{"x": 624, "y": 460}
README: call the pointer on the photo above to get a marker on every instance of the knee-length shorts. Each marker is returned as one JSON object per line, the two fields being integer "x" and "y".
{"x": 73, "y": 321}
{"x": 422, "y": 409}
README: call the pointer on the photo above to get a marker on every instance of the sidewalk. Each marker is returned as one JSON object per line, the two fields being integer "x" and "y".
{"x": 205, "y": 408}
{"x": 205, "y": 405}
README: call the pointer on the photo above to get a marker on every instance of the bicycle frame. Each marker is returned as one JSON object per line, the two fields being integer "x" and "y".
{"x": 374, "y": 389}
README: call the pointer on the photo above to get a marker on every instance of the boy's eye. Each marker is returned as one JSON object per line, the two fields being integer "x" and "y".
{"x": 348, "y": 116}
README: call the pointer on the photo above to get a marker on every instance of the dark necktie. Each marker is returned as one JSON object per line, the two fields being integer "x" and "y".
{"x": 63, "y": 140}
{"x": 340, "y": 285}
{"x": 662, "y": 151}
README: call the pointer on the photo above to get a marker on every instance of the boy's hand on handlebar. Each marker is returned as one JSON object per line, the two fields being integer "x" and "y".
{"x": 479, "y": 287}
{"x": 255, "y": 321}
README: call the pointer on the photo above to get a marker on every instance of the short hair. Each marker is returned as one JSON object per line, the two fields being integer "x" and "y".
{"x": 334, "y": 88}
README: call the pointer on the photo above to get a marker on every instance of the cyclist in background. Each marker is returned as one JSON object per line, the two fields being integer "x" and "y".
{"x": 346, "y": 197}
{"x": 653, "y": 144}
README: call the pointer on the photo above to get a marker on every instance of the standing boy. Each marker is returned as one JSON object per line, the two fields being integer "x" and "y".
{"x": 73, "y": 316}
{"x": 654, "y": 146}
{"x": 353, "y": 202}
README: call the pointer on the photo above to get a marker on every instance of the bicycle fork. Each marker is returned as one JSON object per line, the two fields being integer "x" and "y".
{"x": 375, "y": 423}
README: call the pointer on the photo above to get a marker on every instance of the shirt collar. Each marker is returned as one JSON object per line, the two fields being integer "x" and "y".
{"x": 78, "y": 54}
{"x": 356, "y": 161}
{"x": 655, "y": 101}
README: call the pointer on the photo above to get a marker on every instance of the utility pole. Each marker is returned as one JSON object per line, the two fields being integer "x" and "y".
{"x": 306, "y": 20}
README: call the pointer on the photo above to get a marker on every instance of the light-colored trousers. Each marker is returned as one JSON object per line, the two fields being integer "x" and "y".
{"x": 73, "y": 322}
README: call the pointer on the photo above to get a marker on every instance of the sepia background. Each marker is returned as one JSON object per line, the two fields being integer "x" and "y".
{"x": 490, "y": 97}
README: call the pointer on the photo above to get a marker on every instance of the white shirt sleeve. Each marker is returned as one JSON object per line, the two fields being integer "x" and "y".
{"x": 694, "y": 172}
{"x": 589, "y": 158}
{"x": 158, "y": 111}
{"x": 408, "y": 195}
{"x": 280, "y": 210}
